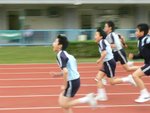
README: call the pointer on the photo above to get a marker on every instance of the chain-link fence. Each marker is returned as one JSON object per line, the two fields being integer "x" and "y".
{"x": 46, "y": 37}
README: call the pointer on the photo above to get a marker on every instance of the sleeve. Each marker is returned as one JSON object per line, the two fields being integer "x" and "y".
{"x": 122, "y": 40}
{"x": 148, "y": 40}
{"x": 112, "y": 38}
{"x": 62, "y": 60}
{"x": 137, "y": 56}
{"x": 103, "y": 45}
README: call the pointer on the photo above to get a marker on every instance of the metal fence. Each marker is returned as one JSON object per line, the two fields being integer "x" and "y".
{"x": 46, "y": 37}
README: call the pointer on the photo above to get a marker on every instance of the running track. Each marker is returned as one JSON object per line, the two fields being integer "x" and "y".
{"x": 28, "y": 88}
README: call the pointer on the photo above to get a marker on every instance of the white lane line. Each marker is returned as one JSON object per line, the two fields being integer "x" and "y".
{"x": 82, "y": 63}
{"x": 50, "y": 78}
{"x": 56, "y": 107}
{"x": 20, "y": 79}
{"x": 19, "y": 73}
{"x": 44, "y": 64}
{"x": 38, "y": 86}
{"x": 56, "y": 95}
{"x": 47, "y": 72}
{"x": 27, "y": 64}
{"x": 57, "y": 86}
{"x": 43, "y": 67}
{"x": 54, "y": 64}
{"x": 30, "y": 68}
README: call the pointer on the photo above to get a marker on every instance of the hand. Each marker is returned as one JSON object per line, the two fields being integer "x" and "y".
{"x": 100, "y": 64}
{"x": 62, "y": 87}
{"x": 98, "y": 61}
{"x": 126, "y": 46}
{"x": 131, "y": 56}
{"x": 53, "y": 74}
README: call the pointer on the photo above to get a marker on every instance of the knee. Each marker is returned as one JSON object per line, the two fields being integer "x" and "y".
{"x": 127, "y": 68}
{"x": 97, "y": 80}
{"x": 62, "y": 102}
{"x": 64, "y": 106}
{"x": 112, "y": 82}
{"x": 134, "y": 76}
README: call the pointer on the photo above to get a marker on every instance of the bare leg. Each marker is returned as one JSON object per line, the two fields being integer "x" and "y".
{"x": 98, "y": 79}
{"x": 68, "y": 110}
{"x": 63, "y": 102}
{"x": 144, "y": 94}
{"x": 130, "y": 68}
{"x": 137, "y": 78}
{"x": 101, "y": 93}
{"x": 66, "y": 102}
{"x": 114, "y": 81}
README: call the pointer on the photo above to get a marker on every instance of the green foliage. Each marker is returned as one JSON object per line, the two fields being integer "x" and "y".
{"x": 88, "y": 49}
{"x": 84, "y": 52}
{"x": 132, "y": 47}
{"x": 84, "y": 49}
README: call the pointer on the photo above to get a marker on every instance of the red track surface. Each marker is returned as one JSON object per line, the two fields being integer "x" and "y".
{"x": 28, "y": 88}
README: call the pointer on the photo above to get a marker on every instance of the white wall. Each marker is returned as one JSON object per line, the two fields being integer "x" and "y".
{"x": 114, "y": 1}
{"x": 3, "y": 19}
{"x": 127, "y": 22}
{"x": 37, "y": 1}
{"x": 43, "y": 22}
{"x": 142, "y": 14}
{"x": 71, "y": 18}
{"x": 73, "y": 1}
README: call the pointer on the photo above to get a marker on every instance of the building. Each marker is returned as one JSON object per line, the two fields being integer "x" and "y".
{"x": 72, "y": 14}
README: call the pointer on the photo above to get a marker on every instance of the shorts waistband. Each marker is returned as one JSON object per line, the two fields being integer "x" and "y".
{"x": 117, "y": 50}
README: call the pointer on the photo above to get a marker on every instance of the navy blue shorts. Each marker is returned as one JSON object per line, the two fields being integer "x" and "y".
{"x": 72, "y": 88}
{"x": 146, "y": 69}
{"x": 109, "y": 68}
{"x": 120, "y": 56}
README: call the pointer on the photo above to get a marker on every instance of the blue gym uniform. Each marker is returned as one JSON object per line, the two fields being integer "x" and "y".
{"x": 109, "y": 64}
{"x": 68, "y": 61}
{"x": 118, "y": 51}
{"x": 144, "y": 52}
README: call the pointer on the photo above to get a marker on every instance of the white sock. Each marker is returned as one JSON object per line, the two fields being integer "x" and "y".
{"x": 125, "y": 79}
{"x": 84, "y": 99}
{"x": 145, "y": 92}
{"x": 101, "y": 91}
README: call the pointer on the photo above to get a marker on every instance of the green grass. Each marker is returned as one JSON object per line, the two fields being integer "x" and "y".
{"x": 32, "y": 54}
{"x": 87, "y": 59}
{"x": 27, "y": 54}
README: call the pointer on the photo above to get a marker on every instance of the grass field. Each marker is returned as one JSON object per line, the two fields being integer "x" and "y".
{"x": 27, "y": 54}
{"x": 31, "y": 54}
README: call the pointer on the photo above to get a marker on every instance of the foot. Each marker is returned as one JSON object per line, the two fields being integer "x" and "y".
{"x": 104, "y": 81}
{"x": 131, "y": 80}
{"x": 130, "y": 63}
{"x": 91, "y": 100}
{"x": 142, "y": 99}
{"x": 101, "y": 98}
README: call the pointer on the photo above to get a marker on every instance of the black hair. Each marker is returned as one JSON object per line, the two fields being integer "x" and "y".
{"x": 102, "y": 33}
{"x": 111, "y": 24}
{"x": 143, "y": 27}
{"x": 63, "y": 40}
